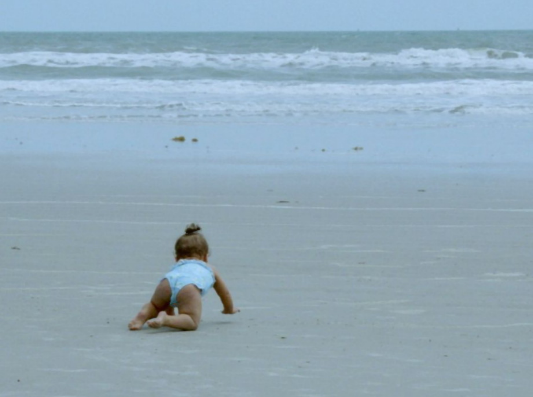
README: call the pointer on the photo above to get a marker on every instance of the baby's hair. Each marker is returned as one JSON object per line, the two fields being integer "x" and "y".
{"x": 192, "y": 228}
{"x": 192, "y": 244}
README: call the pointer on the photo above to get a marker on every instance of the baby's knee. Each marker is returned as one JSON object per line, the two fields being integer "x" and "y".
{"x": 190, "y": 321}
{"x": 194, "y": 326}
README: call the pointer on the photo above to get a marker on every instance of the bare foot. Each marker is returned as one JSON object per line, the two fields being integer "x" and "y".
{"x": 135, "y": 324}
{"x": 159, "y": 321}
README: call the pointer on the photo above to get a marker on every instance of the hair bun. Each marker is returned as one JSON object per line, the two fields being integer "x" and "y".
{"x": 192, "y": 228}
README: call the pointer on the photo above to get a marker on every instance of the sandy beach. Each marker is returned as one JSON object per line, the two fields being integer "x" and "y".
{"x": 392, "y": 270}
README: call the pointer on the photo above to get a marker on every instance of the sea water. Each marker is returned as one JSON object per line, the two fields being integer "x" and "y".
{"x": 397, "y": 78}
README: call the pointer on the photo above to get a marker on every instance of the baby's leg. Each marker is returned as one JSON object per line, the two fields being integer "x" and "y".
{"x": 160, "y": 302}
{"x": 147, "y": 312}
{"x": 189, "y": 311}
{"x": 170, "y": 311}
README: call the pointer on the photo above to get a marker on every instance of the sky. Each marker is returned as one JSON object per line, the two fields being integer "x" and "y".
{"x": 264, "y": 15}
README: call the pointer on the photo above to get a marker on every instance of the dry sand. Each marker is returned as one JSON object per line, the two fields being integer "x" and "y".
{"x": 355, "y": 275}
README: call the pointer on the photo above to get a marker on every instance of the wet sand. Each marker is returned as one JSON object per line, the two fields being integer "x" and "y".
{"x": 384, "y": 271}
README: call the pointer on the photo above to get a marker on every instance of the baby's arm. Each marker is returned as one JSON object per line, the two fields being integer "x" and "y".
{"x": 224, "y": 294}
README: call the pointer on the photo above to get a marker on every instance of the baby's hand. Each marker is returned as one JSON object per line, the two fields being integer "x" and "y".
{"x": 231, "y": 311}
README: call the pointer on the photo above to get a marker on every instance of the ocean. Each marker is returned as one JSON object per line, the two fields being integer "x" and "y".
{"x": 372, "y": 78}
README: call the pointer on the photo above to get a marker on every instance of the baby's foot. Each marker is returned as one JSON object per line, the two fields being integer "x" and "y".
{"x": 159, "y": 321}
{"x": 135, "y": 324}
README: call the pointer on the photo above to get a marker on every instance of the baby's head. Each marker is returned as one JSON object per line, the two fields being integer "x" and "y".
{"x": 192, "y": 244}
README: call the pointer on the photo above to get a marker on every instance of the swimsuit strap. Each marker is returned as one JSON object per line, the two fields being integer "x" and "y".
{"x": 199, "y": 262}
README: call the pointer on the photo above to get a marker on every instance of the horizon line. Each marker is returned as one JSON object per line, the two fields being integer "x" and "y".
{"x": 272, "y": 31}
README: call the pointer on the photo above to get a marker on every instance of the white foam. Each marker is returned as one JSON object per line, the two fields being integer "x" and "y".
{"x": 198, "y": 98}
{"x": 311, "y": 59}
{"x": 214, "y": 87}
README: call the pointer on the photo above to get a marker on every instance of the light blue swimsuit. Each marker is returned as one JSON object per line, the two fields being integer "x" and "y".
{"x": 189, "y": 271}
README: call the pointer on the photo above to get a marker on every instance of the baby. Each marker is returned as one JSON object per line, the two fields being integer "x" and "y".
{"x": 183, "y": 287}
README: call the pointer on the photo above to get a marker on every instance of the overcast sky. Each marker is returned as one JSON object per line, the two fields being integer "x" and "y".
{"x": 263, "y": 15}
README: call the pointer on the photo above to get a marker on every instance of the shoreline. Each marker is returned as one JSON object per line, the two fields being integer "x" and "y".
{"x": 416, "y": 145}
